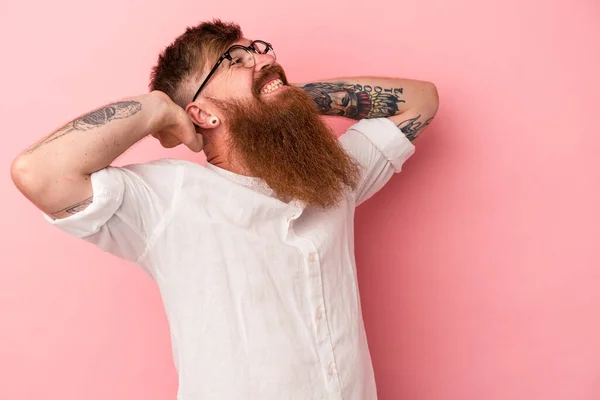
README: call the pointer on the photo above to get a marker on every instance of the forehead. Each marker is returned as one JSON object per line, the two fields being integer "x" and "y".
{"x": 209, "y": 64}
{"x": 244, "y": 41}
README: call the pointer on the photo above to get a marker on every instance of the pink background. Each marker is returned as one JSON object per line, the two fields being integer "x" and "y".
{"x": 479, "y": 264}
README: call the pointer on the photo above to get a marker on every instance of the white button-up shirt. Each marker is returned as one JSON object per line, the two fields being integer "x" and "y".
{"x": 261, "y": 296}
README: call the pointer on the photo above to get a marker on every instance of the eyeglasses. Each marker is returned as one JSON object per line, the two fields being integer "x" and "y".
{"x": 240, "y": 56}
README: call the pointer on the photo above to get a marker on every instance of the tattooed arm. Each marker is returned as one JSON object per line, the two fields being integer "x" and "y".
{"x": 54, "y": 174}
{"x": 410, "y": 104}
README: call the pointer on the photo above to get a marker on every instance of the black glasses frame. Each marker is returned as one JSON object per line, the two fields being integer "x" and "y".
{"x": 227, "y": 56}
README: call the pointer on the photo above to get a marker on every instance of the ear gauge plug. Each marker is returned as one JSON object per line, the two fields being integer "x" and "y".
{"x": 214, "y": 120}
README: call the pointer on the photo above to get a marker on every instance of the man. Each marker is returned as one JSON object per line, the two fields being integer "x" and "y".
{"x": 253, "y": 254}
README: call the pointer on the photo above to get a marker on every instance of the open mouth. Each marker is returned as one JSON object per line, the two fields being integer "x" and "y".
{"x": 272, "y": 86}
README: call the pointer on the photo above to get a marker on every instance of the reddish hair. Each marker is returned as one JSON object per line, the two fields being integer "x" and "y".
{"x": 181, "y": 64}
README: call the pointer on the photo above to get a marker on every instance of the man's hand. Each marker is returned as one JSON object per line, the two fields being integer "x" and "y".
{"x": 175, "y": 126}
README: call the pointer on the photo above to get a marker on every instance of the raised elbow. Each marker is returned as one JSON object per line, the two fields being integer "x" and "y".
{"x": 434, "y": 98}
{"x": 25, "y": 176}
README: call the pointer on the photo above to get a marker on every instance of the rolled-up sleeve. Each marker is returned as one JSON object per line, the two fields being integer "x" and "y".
{"x": 128, "y": 205}
{"x": 380, "y": 148}
{"x": 108, "y": 188}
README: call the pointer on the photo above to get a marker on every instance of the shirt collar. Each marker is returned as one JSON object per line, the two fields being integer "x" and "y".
{"x": 251, "y": 182}
{"x": 248, "y": 181}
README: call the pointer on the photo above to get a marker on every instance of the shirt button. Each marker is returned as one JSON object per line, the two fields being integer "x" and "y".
{"x": 319, "y": 314}
{"x": 330, "y": 370}
{"x": 311, "y": 257}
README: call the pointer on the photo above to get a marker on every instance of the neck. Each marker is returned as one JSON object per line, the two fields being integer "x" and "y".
{"x": 218, "y": 154}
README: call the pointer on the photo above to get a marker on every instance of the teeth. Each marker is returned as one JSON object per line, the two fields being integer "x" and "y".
{"x": 274, "y": 85}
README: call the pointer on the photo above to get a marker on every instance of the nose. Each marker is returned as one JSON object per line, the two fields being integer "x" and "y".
{"x": 263, "y": 61}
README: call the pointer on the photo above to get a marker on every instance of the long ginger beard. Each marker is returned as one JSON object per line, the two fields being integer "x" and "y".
{"x": 283, "y": 141}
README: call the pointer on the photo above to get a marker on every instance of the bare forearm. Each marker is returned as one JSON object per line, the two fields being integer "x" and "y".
{"x": 410, "y": 104}
{"x": 92, "y": 141}
{"x": 55, "y": 171}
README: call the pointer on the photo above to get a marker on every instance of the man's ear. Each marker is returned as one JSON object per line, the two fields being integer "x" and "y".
{"x": 201, "y": 116}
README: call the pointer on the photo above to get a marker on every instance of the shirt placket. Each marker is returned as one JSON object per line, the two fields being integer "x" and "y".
{"x": 325, "y": 345}
{"x": 312, "y": 265}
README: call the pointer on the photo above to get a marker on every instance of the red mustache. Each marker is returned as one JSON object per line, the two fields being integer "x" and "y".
{"x": 268, "y": 74}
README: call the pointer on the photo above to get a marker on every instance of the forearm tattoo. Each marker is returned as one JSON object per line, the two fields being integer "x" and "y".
{"x": 94, "y": 119}
{"x": 354, "y": 101}
{"x": 412, "y": 127}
